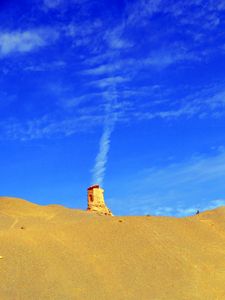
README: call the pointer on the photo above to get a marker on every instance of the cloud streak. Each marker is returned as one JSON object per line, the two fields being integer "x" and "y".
{"x": 166, "y": 190}
{"x": 102, "y": 156}
{"x": 111, "y": 116}
{"x": 52, "y": 3}
{"x": 25, "y": 41}
{"x": 106, "y": 105}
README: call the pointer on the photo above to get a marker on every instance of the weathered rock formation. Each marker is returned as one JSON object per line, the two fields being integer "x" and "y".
{"x": 96, "y": 201}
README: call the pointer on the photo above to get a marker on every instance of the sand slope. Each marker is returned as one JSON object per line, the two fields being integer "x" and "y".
{"x": 67, "y": 254}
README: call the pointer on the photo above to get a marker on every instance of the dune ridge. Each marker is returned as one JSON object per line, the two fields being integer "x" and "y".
{"x": 52, "y": 252}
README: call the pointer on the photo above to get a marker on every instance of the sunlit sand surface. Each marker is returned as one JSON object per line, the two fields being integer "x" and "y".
{"x": 51, "y": 252}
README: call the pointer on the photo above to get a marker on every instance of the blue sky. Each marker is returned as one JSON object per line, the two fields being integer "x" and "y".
{"x": 128, "y": 94}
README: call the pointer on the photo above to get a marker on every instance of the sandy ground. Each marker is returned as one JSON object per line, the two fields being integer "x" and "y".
{"x": 51, "y": 252}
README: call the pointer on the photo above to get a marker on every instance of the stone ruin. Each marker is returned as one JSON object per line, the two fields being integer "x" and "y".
{"x": 96, "y": 201}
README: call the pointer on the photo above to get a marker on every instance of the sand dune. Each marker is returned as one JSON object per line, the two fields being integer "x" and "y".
{"x": 51, "y": 252}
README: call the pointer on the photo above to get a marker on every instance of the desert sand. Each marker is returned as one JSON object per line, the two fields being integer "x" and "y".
{"x": 52, "y": 252}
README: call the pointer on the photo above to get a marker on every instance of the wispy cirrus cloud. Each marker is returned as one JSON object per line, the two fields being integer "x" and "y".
{"x": 140, "y": 10}
{"x": 116, "y": 39}
{"x": 49, "y": 126}
{"x": 52, "y": 3}
{"x": 195, "y": 181}
{"x": 99, "y": 169}
{"x": 155, "y": 60}
{"x": 108, "y": 67}
{"x": 109, "y": 81}
{"x": 42, "y": 67}
{"x": 196, "y": 170}
{"x": 25, "y": 41}
{"x": 83, "y": 113}
{"x": 111, "y": 116}
{"x": 203, "y": 103}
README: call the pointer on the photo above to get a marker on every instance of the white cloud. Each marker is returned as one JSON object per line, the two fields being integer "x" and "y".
{"x": 141, "y": 9}
{"x": 54, "y": 65}
{"x": 179, "y": 189}
{"x": 188, "y": 211}
{"x": 25, "y": 41}
{"x": 205, "y": 102}
{"x": 82, "y": 29}
{"x": 169, "y": 56}
{"x": 52, "y": 3}
{"x": 127, "y": 110}
{"x": 214, "y": 203}
{"x": 115, "y": 38}
{"x": 102, "y": 69}
{"x": 102, "y": 156}
{"x": 156, "y": 60}
{"x": 79, "y": 101}
{"x": 109, "y": 81}
{"x": 196, "y": 170}
{"x": 110, "y": 118}
{"x": 48, "y": 126}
